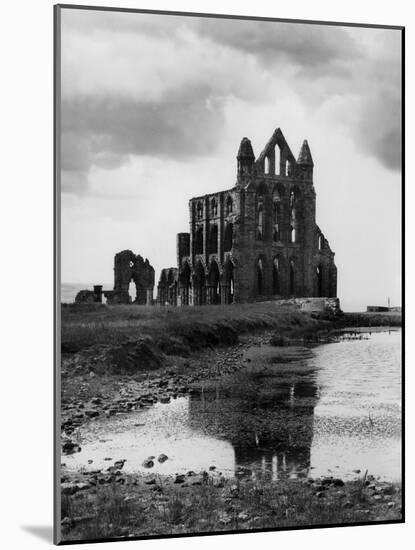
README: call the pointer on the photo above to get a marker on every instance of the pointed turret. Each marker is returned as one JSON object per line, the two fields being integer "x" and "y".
{"x": 245, "y": 157}
{"x": 305, "y": 162}
{"x": 305, "y": 157}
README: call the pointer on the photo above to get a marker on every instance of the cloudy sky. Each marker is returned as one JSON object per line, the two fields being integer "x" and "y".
{"x": 153, "y": 111}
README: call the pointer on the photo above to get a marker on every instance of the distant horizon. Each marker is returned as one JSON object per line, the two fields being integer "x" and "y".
{"x": 109, "y": 286}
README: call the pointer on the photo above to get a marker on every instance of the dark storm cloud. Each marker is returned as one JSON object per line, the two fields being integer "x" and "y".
{"x": 308, "y": 46}
{"x": 105, "y": 131}
{"x": 379, "y": 130}
{"x": 320, "y": 62}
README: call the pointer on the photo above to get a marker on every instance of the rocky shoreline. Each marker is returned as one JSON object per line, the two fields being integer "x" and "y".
{"x": 107, "y": 504}
{"x": 83, "y": 399}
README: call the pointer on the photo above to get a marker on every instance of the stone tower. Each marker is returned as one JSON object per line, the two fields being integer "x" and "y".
{"x": 258, "y": 240}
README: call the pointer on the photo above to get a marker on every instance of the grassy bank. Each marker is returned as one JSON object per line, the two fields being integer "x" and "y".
{"x": 173, "y": 330}
{"x": 152, "y": 331}
{"x": 130, "y": 506}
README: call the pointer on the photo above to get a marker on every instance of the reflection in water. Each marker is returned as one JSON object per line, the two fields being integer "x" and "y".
{"x": 292, "y": 413}
{"x": 266, "y": 415}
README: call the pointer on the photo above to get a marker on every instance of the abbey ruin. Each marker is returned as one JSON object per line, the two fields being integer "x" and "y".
{"x": 256, "y": 241}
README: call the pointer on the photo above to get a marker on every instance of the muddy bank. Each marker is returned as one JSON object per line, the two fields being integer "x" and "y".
{"x": 106, "y": 504}
{"x": 87, "y": 394}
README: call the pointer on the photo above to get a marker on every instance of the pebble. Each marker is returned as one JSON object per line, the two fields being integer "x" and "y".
{"x": 150, "y": 481}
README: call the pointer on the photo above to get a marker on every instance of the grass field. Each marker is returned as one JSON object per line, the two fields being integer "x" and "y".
{"x": 177, "y": 330}
{"x": 172, "y": 329}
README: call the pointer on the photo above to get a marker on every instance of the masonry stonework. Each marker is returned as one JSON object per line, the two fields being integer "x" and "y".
{"x": 256, "y": 241}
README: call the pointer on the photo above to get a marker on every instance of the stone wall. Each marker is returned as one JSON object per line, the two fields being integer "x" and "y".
{"x": 259, "y": 239}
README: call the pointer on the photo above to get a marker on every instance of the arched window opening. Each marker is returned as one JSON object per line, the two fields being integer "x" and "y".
{"x": 260, "y": 277}
{"x": 287, "y": 168}
{"x": 260, "y": 226}
{"x": 320, "y": 242}
{"x": 278, "y": 161}
{"x": 229, "y": 205}
{"x": 199, "y": 210}
{"x": 228, "y": 238}
{"x": 267, "y": 166}
{"x": 292, "y": 279}
{"x": 199, "y": 289}
{"x": 199, "y": 240}
{"x": 276, "y": 235}
{"x": 319, "y": 275}
{"x": 293, "y": 234}
{"x": 227, "y": 294}
{"x": 213, "y": 239}
{"x": 276, "y": 277}
{"x": 214, "y": 206}
{"x": 292, "y": 200}
{"x": 132, "y": 290}
{"x": 213, "y": 284}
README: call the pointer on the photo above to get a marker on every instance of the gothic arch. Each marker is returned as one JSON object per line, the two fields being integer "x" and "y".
{"x": 260, "y": 275}
{"x": 228, "y": 237}
{"x": 228, "y": 291}
{"x": 213, "y": 283}
{"x": 199, "y": 285}
{"x": 199, "y": 240}
{"x": 228, "y": 205}
{"x": 213, "y": 238}
{"x": 276, "y": 275}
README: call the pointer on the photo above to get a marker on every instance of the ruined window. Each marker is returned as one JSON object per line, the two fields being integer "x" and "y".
{"x": 199, "y": 285}
{"x": 214, "y": 205}
{"x": 213, "y": 239}
{"x": 276, "y": 277}
{"x": 320, "y": 242}
{"x": 266, "y": 166}
{"x": 287, "y": 168}
{"x": 199, "y": 210}
{"x": 293, "y": 234}
{"x": 260, "y": 277}
{"x": 228, "y": 283}
{"x": 278, "y": 161}
{"x": 214, "y": 284}
{"x": 260, "y": 225}
{"x": 276, "y": 234}
{"x": 199, "y": 240}
{"x": 132, "y": 290}
{"x": 228, "y": 238}
{"x": 229, "y": 205}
